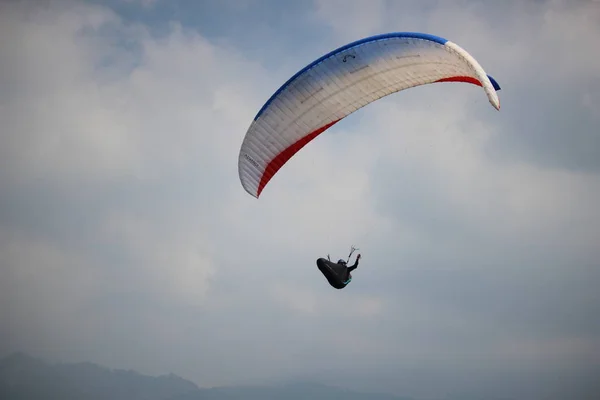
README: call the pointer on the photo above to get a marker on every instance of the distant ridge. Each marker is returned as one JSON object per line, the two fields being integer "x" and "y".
{"x": 23, "y": 377}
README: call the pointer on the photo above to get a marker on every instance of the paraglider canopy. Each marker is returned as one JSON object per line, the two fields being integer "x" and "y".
{"x": 343, "y": 81}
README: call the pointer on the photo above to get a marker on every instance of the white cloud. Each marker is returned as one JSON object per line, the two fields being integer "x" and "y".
{"x": 342, "y": 16}
{"x": 175, "y": 263}
{"x": 450, "y": 150}
{"x": 143, "y": 3}
{"x": 326, "y": 304}
{"x": 84, "y": 116}
{"x": 45, "y": 291}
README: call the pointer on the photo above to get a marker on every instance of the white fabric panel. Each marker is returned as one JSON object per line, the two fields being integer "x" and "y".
{"x": 343, "y": 83}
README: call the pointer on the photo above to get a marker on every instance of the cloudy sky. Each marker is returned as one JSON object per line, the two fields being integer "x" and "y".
{"x": 126, "y": 238}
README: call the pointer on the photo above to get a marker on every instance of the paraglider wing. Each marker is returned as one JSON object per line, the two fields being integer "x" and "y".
{"x": 341, "y": 82}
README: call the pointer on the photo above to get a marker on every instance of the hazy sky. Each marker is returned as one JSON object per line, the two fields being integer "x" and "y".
{"x": 126, "y": 238}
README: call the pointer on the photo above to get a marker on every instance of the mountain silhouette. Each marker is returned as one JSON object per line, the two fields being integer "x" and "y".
{"x": 23, "y": 377}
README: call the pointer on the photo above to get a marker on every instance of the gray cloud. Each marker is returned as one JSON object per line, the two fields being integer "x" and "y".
{"x": 126, "y": 238}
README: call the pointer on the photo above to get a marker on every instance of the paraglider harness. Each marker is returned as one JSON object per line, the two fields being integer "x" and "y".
{"x": 337, "y": 274}
{"x": 345, "y": 263}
